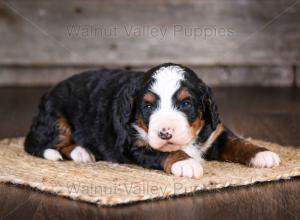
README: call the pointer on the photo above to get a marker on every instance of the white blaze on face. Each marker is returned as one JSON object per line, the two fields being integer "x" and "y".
{"x": 166, "y": 117}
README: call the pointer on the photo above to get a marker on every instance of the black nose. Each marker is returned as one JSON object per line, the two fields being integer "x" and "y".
{"x": 165, "y": 135}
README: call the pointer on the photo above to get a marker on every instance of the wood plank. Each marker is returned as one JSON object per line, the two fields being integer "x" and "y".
{"x": 212, "y": 75}
{"x": 230, "y": 32}
{"x": 271, "y": 114}
{"x": 297, "y": 76}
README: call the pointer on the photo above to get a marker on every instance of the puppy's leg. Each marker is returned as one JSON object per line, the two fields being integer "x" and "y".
{"x": 67, "y": 147}
{"x": 241, "y": 151}
{"x": 177, "y": 162}
{"x": 180, "y": 164}
{"x": 50, "y": 137}
{"x": 43, "y": 134}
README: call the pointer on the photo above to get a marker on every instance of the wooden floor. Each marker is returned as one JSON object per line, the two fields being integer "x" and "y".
{"x": 271, "y": 114}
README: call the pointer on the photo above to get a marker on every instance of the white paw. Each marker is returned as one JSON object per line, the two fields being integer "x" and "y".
{"x": 81, "y": 155}
{"x": 265, "y": 159}
{"x": 51, "y": 154}
{"x": 188, "y": 168}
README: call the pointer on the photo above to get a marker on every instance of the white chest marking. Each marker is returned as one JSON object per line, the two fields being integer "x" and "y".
{"x": 196, "y": 151}
{"x": 193, "y": 151}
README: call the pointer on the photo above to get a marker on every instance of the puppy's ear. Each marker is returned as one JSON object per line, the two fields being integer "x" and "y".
{"x": 123, "y": 111}
{"x": 211, "y": 114}
{"x": 125, "y": 104}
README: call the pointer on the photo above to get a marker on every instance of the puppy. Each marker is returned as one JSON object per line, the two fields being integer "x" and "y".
{"x": 164, "y": 119}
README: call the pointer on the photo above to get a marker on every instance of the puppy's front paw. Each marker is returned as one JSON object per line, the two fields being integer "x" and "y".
{"x": 187, "y": 168}
{"x": 81, "y": 155}
{"x": 265, "y": 159}
{"x": 52, "y": 154}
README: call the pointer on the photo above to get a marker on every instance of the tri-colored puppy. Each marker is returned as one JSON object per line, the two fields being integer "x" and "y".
{"x": 165, "y": 118}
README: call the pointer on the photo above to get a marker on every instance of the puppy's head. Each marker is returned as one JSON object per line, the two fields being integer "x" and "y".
{"x": 173, "y": 107}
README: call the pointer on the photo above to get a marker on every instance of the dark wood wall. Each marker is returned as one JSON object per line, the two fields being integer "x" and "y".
{"x": 228, "y": 42}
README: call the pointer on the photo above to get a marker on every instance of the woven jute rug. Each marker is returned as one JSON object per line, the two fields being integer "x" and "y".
{"x": 110, "y": 184}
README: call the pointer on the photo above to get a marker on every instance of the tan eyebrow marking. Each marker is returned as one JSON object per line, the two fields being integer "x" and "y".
{"x": 183, "y": 94}
{"x": 149, "y": 97}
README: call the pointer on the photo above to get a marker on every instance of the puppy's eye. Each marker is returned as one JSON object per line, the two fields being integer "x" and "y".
{"x": 148, "y": 107}
{"x": 185, "y": 104}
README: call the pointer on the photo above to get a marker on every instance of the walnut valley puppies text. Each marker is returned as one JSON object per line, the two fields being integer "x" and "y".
{"x": 146, "y": 31}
